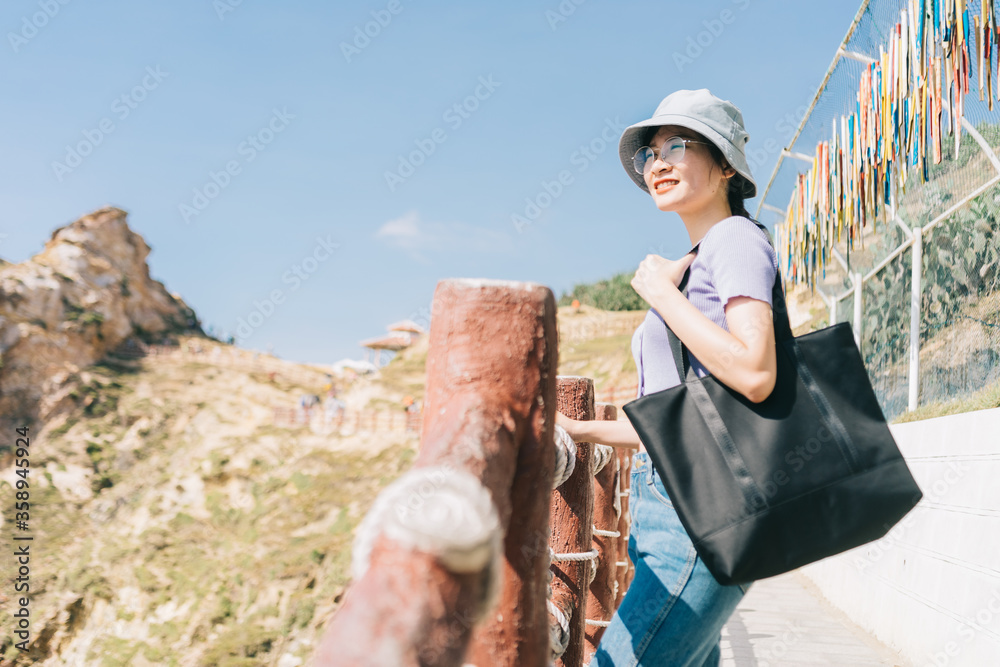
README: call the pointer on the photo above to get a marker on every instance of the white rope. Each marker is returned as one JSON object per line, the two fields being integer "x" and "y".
{"x": 599, "y": 624}
{"x": 558, "y": 631}
{"x": 571, "y": 556}
{"x": 565, "y": 457}
{"x": 618, "y": 496}
{"x": 602, "y": 454}
{"x": 622, "y": 563}
{"x": 626, "y": 492}
{"x": 606, "y": 533}
{"x": 441, "y": 511}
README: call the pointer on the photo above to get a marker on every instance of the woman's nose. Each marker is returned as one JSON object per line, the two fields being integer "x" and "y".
{"x": 660, "y": 167}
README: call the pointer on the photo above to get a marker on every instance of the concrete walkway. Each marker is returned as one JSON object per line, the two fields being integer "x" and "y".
{"x": 786, "y": 621}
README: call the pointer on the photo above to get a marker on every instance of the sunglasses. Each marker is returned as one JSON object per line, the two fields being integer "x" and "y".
{"x": 671, "y": 152}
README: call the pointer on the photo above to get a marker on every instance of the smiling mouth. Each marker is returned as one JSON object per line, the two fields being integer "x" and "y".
{"x": 658, "y": 185}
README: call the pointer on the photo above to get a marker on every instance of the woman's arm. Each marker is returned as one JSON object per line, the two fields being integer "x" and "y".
{"x": 615, "y": 433}
{"x": 744, "y": 360}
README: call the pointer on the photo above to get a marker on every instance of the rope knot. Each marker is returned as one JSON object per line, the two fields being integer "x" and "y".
{"x": 441, "y": 511}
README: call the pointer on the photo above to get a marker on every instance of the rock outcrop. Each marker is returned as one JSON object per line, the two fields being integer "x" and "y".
{"x": 85, "y": 294}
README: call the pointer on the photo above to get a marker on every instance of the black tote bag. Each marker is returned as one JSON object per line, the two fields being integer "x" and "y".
{"x": 764, "y": 488}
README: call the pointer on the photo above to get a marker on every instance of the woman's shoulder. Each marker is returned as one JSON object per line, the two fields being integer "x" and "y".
{"x": 736, "y": 235}
{"x": 739, "y": 259}
{"x": 735, "y": 227}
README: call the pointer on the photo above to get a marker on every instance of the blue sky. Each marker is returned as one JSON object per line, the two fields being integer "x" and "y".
{"x": 281, "y": 161}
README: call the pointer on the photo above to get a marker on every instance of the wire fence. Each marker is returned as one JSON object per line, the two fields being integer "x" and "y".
{"x": 601, "y": 326}
{"x": 328, "y": 418}
{"x": 325, "y": 421}
{"x": 920, "y": 286}
{"x": 616, "y": 394}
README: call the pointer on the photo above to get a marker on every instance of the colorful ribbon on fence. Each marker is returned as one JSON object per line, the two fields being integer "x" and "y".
{"x": 896, "y": 127}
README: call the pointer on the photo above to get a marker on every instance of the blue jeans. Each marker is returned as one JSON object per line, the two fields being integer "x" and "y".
{"x": 674, "y": 610}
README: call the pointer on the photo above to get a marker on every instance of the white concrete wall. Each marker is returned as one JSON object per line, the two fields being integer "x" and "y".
{"x": 930, "y": 589}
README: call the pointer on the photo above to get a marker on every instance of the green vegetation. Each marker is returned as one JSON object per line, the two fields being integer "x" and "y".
{"x": 102, "y": 459}
{"x": 241, "y": 646}
{"x": 586, "y": 357}
{"x": 99, "y": 396}
{"x": 960, "y": 289}
{"x": 92, "y": 317}
{"x": 63, "y": 428}
{"x": 969, "y": 149}
{"x": 406, "y": 373}
{"x": 615, "y": 293}
{"x": 114, "y": 651}
{"x": 72, "y": 311}
{"x": 984, "y": 399}
{"x": 75, "y": 313}
{"x": 961, "y": 261}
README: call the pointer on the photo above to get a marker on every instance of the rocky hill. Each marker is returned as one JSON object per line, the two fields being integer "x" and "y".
{"x": 173, "y": 522}
{"x": 85, "y": 294}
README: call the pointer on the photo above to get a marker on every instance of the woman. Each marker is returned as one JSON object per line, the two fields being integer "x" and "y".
{"x": 690, "y": 158}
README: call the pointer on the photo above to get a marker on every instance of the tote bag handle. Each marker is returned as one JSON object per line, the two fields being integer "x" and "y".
{"x": 779, "y": 316}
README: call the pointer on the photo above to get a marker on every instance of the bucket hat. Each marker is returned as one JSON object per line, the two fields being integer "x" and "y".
{"x": 719, "y": 121}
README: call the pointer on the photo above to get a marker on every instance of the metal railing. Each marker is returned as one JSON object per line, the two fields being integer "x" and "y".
{"x": 919, "y": 221}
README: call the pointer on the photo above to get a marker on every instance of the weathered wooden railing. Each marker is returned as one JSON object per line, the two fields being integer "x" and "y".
{"x": 471, "y": 557}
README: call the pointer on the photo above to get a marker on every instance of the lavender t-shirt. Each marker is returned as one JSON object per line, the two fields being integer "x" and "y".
{"x": 734, "y": 259}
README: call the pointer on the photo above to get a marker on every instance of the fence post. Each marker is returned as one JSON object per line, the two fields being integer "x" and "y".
{"x": 491, "y": 399}
{"x": 859, "y": 287}
{"x": 511, "y": 343}
{"x": 572, "y": 521}
{"x": 607, "y": 509}
{"x": 916, "y": 276}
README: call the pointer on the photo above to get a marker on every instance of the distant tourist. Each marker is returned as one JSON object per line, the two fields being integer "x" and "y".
{"x": 306, "y": 403}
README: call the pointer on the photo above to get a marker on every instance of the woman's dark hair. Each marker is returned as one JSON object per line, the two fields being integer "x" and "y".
{"x": 737, "y": 182}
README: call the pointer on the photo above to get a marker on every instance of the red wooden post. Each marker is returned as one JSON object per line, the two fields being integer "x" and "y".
{"x": 514, "y": 343}
{"x": 491, "y": 399}
{"x": 572, "y": 522}
{"x": 601, "y": 601}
